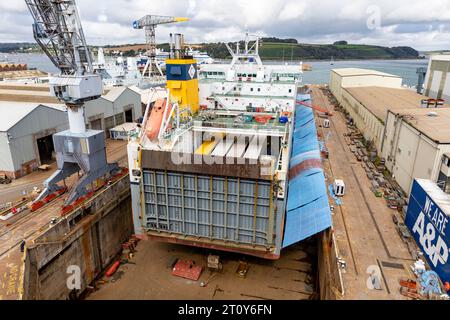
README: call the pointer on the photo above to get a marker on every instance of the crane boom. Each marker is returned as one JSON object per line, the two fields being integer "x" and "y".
{"x": 153, "y": 20}
{"x": 315, "y": 107}
{"x": 149, "y": 23}
{"x": 58, "y": 31}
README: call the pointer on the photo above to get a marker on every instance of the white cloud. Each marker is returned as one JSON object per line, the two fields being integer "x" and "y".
{"x": 292, "y": 10}
{"x": 403, "y": 22}
{"x": 102, "y": 18}
{"x": 13, "y": 6}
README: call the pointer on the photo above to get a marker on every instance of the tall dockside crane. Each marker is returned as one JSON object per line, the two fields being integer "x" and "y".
{"x": 58, "y": 31}
{"x": 149, "y": 23}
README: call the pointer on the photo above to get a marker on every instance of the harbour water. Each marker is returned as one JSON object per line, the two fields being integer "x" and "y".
{"x": 404, "y": 68}
{"x": 320, "y": 73}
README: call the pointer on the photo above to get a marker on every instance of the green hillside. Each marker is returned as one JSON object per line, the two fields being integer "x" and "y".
{"x": 270, "y": 48}
{"x": 279, "y": 49}
{"x": 274, "y": 50}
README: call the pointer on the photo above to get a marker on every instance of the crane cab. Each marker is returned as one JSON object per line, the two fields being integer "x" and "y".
{"x": 75, "y": 89}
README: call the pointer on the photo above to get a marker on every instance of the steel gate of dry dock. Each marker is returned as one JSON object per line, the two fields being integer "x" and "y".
{"x": 236, "y": 210}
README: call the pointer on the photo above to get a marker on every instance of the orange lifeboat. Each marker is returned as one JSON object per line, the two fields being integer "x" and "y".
{"x": 155, "y": 119}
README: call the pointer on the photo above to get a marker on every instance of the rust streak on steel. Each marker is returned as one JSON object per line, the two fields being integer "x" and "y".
{"x": 302, "y": 166}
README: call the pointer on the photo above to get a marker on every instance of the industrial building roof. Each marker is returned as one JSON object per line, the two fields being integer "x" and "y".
{"x": 113, "y": 93}
{"x": 380, "y": 99}
{"x": 346, "y": 72}
{"x": 20, "y": 74}
{"x": 151, "y": 94}
{"x": 13, "y": 112}
{"x": 24, "y": 92}
{"x": 441, "y": 57}
{"x": 23, "y": 86}
{"x": 21, "y": 94}
{"x": 40, "y": 93}
{"x": 432, "y": 122}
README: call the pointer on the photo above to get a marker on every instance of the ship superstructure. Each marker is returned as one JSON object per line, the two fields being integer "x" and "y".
{"x": 119, "y": 71}
{"x": 246, "y": 84}
{"x": 209, "y": 166}
{"x": 201, "y": 57}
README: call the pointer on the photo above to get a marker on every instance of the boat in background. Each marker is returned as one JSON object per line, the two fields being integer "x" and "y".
{"x": 202, "y": 57}
{"x": 118, "y": 71}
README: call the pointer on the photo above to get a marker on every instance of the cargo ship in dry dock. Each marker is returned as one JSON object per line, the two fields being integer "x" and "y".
{"x": 230, "y": 159}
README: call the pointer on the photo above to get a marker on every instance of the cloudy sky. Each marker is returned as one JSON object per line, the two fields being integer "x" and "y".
{"x": 424, "y": 25}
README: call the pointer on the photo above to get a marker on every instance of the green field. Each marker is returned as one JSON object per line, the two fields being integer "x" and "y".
{"x": 350, "y": 51}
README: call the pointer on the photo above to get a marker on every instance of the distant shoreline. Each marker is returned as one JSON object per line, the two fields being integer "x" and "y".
{"x": 405, "y": 68}
{"x": 335, "y": 60}
{"x": 267, "y": 58}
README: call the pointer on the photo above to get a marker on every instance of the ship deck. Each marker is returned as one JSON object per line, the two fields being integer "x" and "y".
{"x": 225, "y": 122}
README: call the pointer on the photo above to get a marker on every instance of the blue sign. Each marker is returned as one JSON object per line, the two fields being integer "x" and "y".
{"x": 181, "y": 72}
{"x": 429, "y": 227}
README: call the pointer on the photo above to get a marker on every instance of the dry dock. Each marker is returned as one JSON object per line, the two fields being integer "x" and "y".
{"x": 366, "y": 236}
{"x": 28, "y": 225}
{"x": 366, "y": 240}
{"x": 149, "y": 277}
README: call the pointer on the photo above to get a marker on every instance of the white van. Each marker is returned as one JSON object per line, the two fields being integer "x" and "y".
{"x": 339, "y": 187}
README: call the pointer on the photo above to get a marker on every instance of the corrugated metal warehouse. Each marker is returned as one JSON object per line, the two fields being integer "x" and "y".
{"x": 117, "y": 106}
{"x": 34, "y": 116}
{"x": 417, "y": 145}
{"x": 413, "y": 140}
{"x": 368, "y": 107}
{"x": 437, "y": 81}
{"x": 356, "y": 77}
{"x": 26, "y": 130}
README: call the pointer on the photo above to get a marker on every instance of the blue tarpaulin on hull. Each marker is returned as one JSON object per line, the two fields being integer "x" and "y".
{"x": 307, "y": 210}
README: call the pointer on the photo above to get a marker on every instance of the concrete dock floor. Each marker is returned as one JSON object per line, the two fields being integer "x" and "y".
{"x": 366, "y": 236}
{"x": 291, "y": 277}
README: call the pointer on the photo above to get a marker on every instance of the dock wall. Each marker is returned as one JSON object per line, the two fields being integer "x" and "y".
{"x": 86, "y": 240}
{"x": 330, "y": 285}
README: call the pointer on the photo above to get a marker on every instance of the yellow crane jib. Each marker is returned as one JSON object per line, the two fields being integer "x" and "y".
{"x": 153, "y": 20}
{"x": 181, "y": 19}
{"x": 149, "y": 24}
